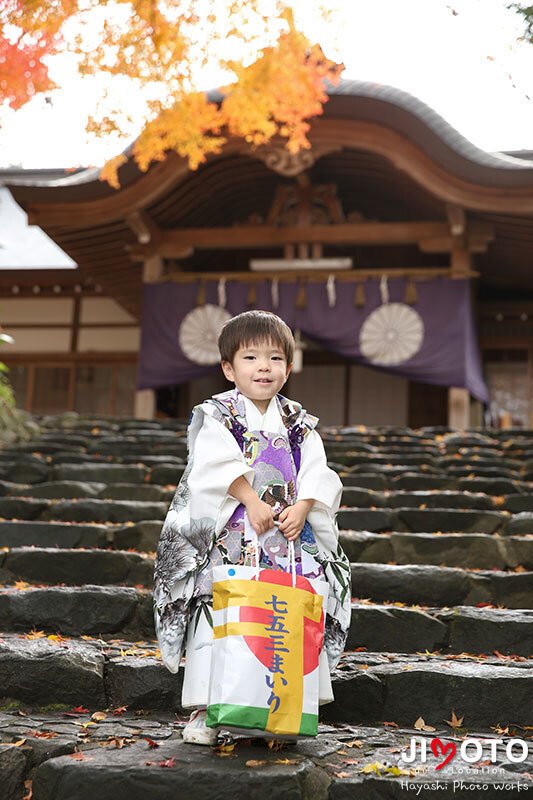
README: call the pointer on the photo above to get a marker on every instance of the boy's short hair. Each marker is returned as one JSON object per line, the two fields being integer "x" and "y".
{"x": 253, "y": 327}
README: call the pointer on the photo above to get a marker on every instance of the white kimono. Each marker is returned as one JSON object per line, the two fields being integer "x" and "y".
{"x": 201, "y": 508}
{"x": 315, "y": 481}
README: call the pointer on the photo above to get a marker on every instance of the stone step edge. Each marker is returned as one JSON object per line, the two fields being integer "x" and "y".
{"x": 327, "y": 757}
{"x": 145, "y": 592}
{"x": 377, "y": 658}
{"x": 144, "y": 556}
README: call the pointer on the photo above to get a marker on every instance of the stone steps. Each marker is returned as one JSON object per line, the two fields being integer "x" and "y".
{"x": 104, "y": 611}
{"x": 83, "y": 510}
{"x": 352, "y": 497}
{"x": 121, "y": 755}
{"x": 75, "y": 490}
{"x": 74, "y": 567}
{"x": 409, "y": 583}
{"x": 36, "y": 471}
{"x": 367, "y": 498}
{"x": 367, "y": 686}
{"x": 142, "y": 536}
{"x": 468, "y": 550}
{"x": 415, "y": 520}
{"x": 372, "y": 518}
{"x": 417, "y": 481}
{"x": 441, "y": 586}
{"x": 438, "y": 526}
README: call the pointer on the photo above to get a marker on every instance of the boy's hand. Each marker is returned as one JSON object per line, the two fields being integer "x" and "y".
{"x": 292, "y": 519}
{"x": 260, "y": 515}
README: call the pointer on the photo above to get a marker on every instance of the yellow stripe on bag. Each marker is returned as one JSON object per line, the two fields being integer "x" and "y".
{"x": 285, "y": 709}
{"x": 233, "y": 592}
{"x": 238, "y": 629}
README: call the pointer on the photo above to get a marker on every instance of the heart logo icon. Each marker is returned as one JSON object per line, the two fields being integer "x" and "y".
{"x": 438, "y": 749}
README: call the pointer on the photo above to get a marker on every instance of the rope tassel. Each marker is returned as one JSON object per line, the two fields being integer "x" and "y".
{"x": 411, "y": 293}
{"x": 201, "y": 296}
{"x": 301, "y": 296}
{"x": 359, "y": 295}
{"x": 251, "y": 299}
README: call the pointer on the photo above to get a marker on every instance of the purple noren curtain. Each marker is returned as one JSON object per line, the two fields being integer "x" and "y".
{"x": 437, "y": 334}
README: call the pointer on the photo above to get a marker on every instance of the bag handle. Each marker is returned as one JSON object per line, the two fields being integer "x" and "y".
{"x": 292, "y": 555}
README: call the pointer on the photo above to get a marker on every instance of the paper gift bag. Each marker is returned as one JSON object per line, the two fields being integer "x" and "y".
{"x": 268, "y": 631}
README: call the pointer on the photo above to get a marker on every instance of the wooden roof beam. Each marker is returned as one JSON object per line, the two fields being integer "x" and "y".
{"x": 476, "y": 239}
{"x": 142, "y": 226}
{"x": 172, "y": 243}
{"x": 457, "y": 218}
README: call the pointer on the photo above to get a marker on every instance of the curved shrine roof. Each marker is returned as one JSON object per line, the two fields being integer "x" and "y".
{"x": 391, "y": 155}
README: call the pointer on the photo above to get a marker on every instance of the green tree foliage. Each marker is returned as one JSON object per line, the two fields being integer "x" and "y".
{"x": 15, "y": 424}
{"x": 526, "y": 11}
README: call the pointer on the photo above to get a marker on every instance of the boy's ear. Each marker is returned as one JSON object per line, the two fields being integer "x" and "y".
{"x": 288, "y": 372}
{"x": 227, "y": 369}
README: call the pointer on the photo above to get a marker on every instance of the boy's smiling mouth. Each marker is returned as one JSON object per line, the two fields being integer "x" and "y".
{"x": 263, "y": 380}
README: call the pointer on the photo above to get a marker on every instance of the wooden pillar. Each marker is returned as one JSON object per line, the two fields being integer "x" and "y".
{"x": 144, "y": 405}
{"x": 458, "y": 408}
{"x": 476, "y": 414}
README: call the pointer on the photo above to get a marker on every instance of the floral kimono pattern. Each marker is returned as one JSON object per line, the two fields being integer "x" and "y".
{"x": 190, "y": 545}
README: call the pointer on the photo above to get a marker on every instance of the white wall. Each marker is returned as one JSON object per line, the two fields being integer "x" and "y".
{"x": 20, "y": 310}
{"x": 37, "y": 340}
{"x": 103, "y": 309}
{"x": 109, "y": 340}
{"x": 17, "y": 312}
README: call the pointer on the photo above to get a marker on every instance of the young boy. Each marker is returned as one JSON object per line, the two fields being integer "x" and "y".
{"x": 251, "y": 452}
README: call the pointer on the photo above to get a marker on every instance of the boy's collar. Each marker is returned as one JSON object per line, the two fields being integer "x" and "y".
{"x": 288, "y": 409}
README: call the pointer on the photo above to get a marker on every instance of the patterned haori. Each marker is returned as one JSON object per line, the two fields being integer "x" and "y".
{"x": 275, "y": 483}
{"x": 204, "y": 525}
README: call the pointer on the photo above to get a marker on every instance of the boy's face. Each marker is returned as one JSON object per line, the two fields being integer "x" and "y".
{"x": 258, "y": 370}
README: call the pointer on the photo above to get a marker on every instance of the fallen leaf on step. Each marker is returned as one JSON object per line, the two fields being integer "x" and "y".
{"x": 454, "y": 722}
{"x": 420, "y": 725}
{"x": 169, "y": 762}
{"x": 375, "y": 766}
{"x": 150, "y": 742}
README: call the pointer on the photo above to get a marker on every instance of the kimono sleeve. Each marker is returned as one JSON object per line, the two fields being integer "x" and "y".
{"x": 217, "y": 462}
{"x": 316, "y": 481}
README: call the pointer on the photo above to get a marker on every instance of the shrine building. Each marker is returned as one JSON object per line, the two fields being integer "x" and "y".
{"x": 397, "y": 251}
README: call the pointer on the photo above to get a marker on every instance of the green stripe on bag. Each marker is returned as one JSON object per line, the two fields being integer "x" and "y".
{"x": 309, "y": 725}
{"x": 239, "y": 716}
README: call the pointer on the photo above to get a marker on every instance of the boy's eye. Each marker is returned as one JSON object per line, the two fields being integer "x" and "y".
{"x": 276, "y": 358}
